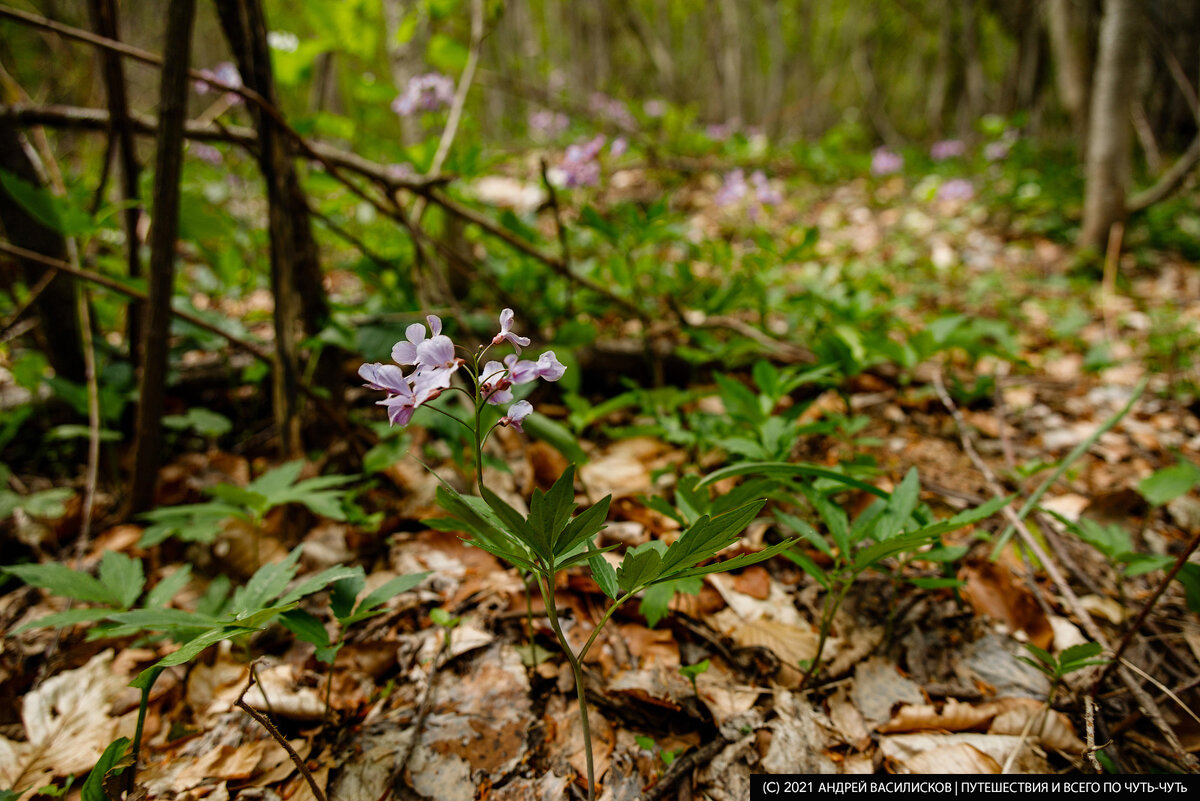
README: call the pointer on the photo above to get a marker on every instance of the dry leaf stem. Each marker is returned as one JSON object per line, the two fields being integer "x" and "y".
{"x": 266, "y": 723}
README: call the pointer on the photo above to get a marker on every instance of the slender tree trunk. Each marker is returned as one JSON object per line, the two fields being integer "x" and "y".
{"x": 104, "y": 20}
{"x": 1109, "y": 127}
{"x": 295, "y": 266}
{"x": 164, "y": 232}
{"x": 1068, "y": 30}
{"x": 973, "y": 81}
{"x": 406, "y": 59}
{"x": 58, "y": 335}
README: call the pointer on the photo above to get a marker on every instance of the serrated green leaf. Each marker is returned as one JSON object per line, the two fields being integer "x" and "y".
{"x": 1075, "y": 653}
{"x": 708, "y": 536}
{"x": 809, "y": 566}
{"x": 317, "y": 582}
{"x": 123, "y": 575}
{"x": 517, "y": 526}
{"x": 899, "y": 508}
{"x": 789, "y": 470}
{"x": 641, "y": 566}
{"x": 1169, "y": 483}
{"x": 604, "y": 575}
{"x": 70, "y": 617}
{"x": 938, "y": 583}
{"x": 735, "y": 563}
{"x": 965, "y": 518}
{"x": 305, "y": 626}
{"x": 277, "y": 481}
{"x": 876, "y": 552}
{"x": 587, "y": 524}
{"x": 344, "y": 592}
{"x": 168, "y": 587}
{"x": 267, "y": 583}
{"x": 62, "y": 580}
{"x": 390, "y": 589}
{"x": 549, "y": 512}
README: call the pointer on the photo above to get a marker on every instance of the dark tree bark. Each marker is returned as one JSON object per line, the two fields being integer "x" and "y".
{"x": 58, "y": 335}
{"x": 1109, "y": 127}
{"x": 295, "y": 266}
{"x": 1066, "y": 22}
{"x": 164, "y": 232}
{"x": 104, "y": 20}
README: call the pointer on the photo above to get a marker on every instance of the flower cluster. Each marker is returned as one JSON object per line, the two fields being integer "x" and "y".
{"x": 580, "y": 167}
{"x": 735, "y": 189}
{"x": 548, "y": 124}
{"x": 613, "y": 110}
{"x": 886, "y": 162}
{"x": 428, "y": 92}
{"x": 956, "y": 189}
{"x": 434, "y": 360}
{"x": 947, "y": 149}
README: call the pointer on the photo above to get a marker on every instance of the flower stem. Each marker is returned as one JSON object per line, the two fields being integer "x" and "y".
{"x": 577, "y": 669}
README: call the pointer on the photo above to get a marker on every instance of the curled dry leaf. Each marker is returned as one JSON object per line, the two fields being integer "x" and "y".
{"x": 1055, "y": 731}
{"x": 67, "y": 726}
{"x": 993, "y": 590}
{"x": 953, "y": 716}
{"x": 903, "y": 752}
{"x": 958, "y": 758}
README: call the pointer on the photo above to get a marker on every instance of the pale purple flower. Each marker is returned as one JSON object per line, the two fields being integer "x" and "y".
{"x": 733, "y": 190}
{"x": 885, "y": 162}
{"x": 947, "y": 149}
{"x": 400, "y": 406}
{"x": 998, "y": 150}
{"x": 763, "y": 191}
{"x": 404, "y": 395}
{"x": 495, "y": 383}
{"x": 516, "y": 413}
{"x": 618, "y": 147}
{"x": 613, "y": 110}
{"x": 579, "y": 166}
{"x": 506, "y": 321}
{"x": 521, "y": 371}
{"x": 405, "y": 352}
{"x": 548, "y": 124}
{"x": 384, "y": 377}
{"x": 549, "y": 367}
{"x": 956, "y": 189}
{"x": 428, "y": 92}
{"x": 654, "y": 108}
{"x": 225, "y": 73}
{"x": 719, "y": 132}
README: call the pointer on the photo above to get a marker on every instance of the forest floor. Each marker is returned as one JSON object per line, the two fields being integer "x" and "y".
{"x": 916, "y": 680}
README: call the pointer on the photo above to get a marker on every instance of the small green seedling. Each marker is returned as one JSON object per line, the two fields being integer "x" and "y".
{"x": 441, "y": 617}
{"x": 690, "y": 672}
{"x": 667, "y": 756}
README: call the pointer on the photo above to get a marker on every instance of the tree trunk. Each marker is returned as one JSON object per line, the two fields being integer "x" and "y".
{"x": 58, "y": 335}
{"x": 104, "y": 20}
{"x": 295, "y": 266}
{"x": 1068, "y": 30}
{"x": 164, "y": 231}
{"x": 1109, "y": 129}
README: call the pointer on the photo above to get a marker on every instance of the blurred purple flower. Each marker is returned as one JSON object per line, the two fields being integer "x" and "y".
{"x": 947, "y": 149}
{"x": 428, "y": 92}
{"x": 226, "y": 73}
{"x": 885, "y": 162}
{"x": 549, "y": 368}
{"x": 733, "y": 190}
{"x": 763, "y": 192}
{"x": 548, "y": 124}
{"x": 654, "y": 108}
{"x": 206, "y": 153}
{"x": 719, "y": 132}
{"x": 956, "y": 189}
{"x": 618, "y": 147}
{"x": 999, "y": 150}
{"x": 612, "y": 110}
{"x": 579, "y": 166}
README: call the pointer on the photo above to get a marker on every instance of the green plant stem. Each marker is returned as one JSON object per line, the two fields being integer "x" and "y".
{"x": 608, "y": 613}
{"x": 143, "y": 707}
{"x": 577, "y": 669}
{"x": 827, "y": 616}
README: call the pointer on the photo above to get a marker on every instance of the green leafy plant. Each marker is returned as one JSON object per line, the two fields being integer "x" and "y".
{"x": 886, "y": 529}
{"x": 1164, "y": 486}
{"x": 1056, "y": 668}
{"x": 202, "y": 522}
{"x": 348, "y": 608}
{"x": 666, "y": 756}
{"x": 691, "y": 672}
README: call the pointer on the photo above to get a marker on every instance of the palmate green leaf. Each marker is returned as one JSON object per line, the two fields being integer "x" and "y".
{"x": 480, "y": 521}
{"x": 1080, "y": 652}
{"x": 876, "y": 552}
{"x": 640, "y": 567}
{"x": 708, "y": 536}
{"x": 581, "y": 555}
{"x": 1169, "y": 483}
{"x": 274, "y": 483}
{"x": 344, "y": 592}
{"x": 656, "y": 600}
{"x": 789, "y": 470}
{"x": 179, "y": 623}
{"x": 123, "y": 575}
{"x": 240, "y": 498}
{"x": 62, "y": 580}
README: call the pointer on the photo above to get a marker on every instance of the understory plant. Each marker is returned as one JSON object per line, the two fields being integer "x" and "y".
{"x": 552, "y": 537}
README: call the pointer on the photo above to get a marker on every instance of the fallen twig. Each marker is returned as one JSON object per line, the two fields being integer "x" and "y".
{"x": 266, "y": 723}
{"x": 683, "y": 766}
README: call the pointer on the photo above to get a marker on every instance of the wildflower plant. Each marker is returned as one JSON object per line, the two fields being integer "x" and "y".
{"x": 551, "y": 538}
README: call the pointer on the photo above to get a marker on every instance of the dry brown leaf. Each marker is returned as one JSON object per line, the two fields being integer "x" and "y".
{"x": 959, "y": 758}
{"x": 901, "y": 749}
{"x": 1056, "y": 731}
{"x": 953, "y": 716}
{"x": 791, "y": 644}
{"x": 848, "y": 720}
{"x": 724, "y": 697}
{"x": 223, "y": 762}
{"x": 878, "y": 687}
{"x": 282, "y": 690}
{"x": 993, "y": 590}
{"x": 568, "y": 740}
{"x": 67, "y": 725}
